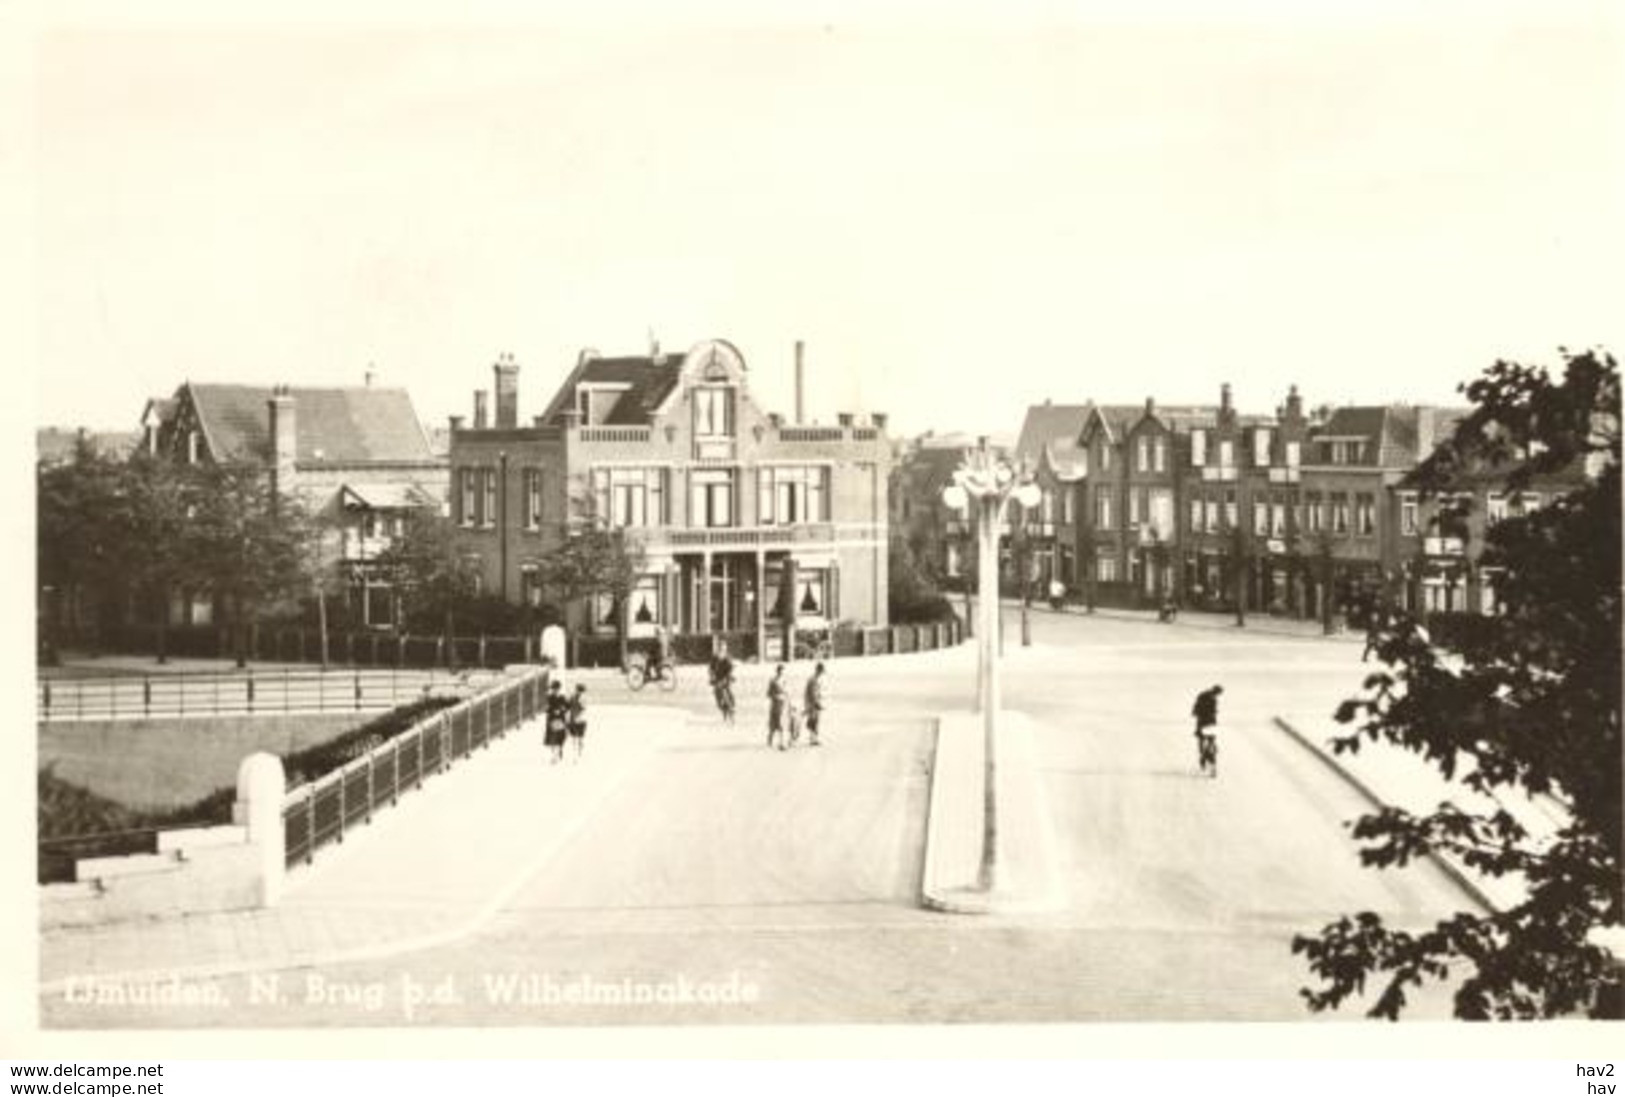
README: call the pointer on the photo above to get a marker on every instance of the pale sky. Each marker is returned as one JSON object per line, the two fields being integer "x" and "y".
{"x": 960, "y": 218}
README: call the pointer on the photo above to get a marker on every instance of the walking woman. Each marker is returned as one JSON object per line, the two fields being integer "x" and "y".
{"x": 558, "y": 716}
{"x": 578, "y": 721}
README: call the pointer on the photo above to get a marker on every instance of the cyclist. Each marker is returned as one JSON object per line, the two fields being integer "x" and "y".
{"x": 661, "y": 657}
{"x": 722, "y": 681}
{"x": 1206, "y": 711}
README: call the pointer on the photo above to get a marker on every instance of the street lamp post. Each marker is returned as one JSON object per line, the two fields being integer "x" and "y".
{"x": 983, "y": 484}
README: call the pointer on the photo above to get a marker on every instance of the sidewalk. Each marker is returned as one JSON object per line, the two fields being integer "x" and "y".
{"x": 429, "y": 870}
{"x": 1198, "y": 619}
{"x": 1387, "y": 775}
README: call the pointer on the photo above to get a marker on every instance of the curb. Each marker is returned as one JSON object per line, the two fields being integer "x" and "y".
{"x": 1450, "y": 866}
{"x": 1031, "y": 881}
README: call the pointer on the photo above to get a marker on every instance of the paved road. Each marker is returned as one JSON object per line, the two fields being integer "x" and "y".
{"x": 795, "y": 875}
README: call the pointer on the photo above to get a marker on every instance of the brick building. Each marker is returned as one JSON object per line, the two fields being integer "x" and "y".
{"x": 732, "y": 504}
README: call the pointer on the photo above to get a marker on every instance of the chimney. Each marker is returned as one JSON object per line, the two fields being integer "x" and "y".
{"x": 879, "y": 420}
{"x": 368, "y": 377}
{"x": 1150, "y": 406}
{"x": 844, "y": 418}
{"x": 1294, "y": 405}
{"x": 1425, "y": 423}
{"x": 284, "y": 439}
{"x": 801, "y": 407}
{"x": 1227, "y": 414}
{"x": 455, "y": 422}
{"x": 479, "y": 409}
{"x": 507, "y": 390}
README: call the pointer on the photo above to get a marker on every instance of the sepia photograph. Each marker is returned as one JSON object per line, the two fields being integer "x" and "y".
{"x": 823, "y": 516}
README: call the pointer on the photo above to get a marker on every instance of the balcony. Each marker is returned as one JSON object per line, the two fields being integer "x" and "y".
{"x": 1218, "y": 472}
{"x": 742, "y": 537}
{"x": 634, "y": 434}
{"x": 1284, "y": 476}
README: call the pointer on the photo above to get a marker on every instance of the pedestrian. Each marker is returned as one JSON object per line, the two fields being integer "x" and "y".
{"x": 1206, "y": 711}
{"x": 777, "y": 697}
{"x": 557, "y": 721}
{"x": 578, "y": 720}
{"x": 722, "y": 681}
{"x": 814, "y": 696}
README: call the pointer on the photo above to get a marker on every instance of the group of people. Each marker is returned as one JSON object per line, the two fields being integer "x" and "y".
{"x": 566, "y": 719}
{"x": 784, "y": 719}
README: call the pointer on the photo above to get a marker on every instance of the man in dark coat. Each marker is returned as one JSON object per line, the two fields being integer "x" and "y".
{"x": 1206, "y": 711}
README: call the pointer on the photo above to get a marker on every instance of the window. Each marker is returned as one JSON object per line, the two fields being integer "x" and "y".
{"x": 488, "y": 516}
{"x": 646, "y": 606}
{"x": 191, "y": 447}
{"x": 1196, "y": 513}
{"x": 1278, "y": 509}
{"x": 1347, "y": 452}
{"x": 1105, "y": 456}
{"x": 530, "y": 585}
{"x": 1495, "y": 508}
{"x": 712, "y": 498}
{"x": 1232, "y": 516}
{"x": 1408, "y": 514}
{"x": 465, "y": 514}
{"x": 1135, "y": 509}
{"x": 1160, "y": 511}
{"x": 1365, "y": 515}
{"x": 1261, "y": 446}
{"x": 1106, "y": 569}
{"x": 1261, "y": 517}
{"x": 630, "y": 497}
{"x": 1340, "y": 512}
{"x": 1294, "y": 454}
{"x": 713, "y": 411}
{"x": 1046, "y": 507}
{"x": 1159, "y": 455}
{"x": 1198, "y": 448}
{"x": 1103, "y": 507}
{"x": 787, "y": 494}
{"x": 476, "y": 573}
{"x": 1316, "y": 517}
{"x": 1066, "y": 506}
{"x": 533, "y": 498}
{"x": 1211, "y": 505}
{"x": 1142, "y": 454}
{"x": 1227, "y": 454}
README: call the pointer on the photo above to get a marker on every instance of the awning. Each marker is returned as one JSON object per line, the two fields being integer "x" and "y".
{"x": 395, "y": 496}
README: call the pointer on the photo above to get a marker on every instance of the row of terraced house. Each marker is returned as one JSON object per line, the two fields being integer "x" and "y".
{"x": 1200, "y": 506}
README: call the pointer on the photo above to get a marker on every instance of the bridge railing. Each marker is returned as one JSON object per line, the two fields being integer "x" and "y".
{"x": 322, "y": 811}
{"x": 236, "y": 693}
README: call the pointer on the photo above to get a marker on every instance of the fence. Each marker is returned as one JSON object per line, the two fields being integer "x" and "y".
{"x": 298, "y": 644}
{"x": 320, "y": 812}
{"x": 233, "y": 693}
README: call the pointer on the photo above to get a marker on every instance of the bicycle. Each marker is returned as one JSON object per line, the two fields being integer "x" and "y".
{"x": 1207, "y": 753}
{"x": 724, "y": 692}
{"x": 640, "y": 672}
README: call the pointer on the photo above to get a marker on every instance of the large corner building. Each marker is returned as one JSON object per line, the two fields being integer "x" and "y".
{"x": 743, "y": 516}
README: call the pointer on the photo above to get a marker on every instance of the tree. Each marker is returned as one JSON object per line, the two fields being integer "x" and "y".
{"x": 1238, "y": 562}
{"x": 247, "y": 543}
{"x": 1527, "y": 699}
{"x": 158, "y": 498}
{"x": 79, "y": 543}
{"x": 595, "y": 557}
{"x": 429, "y": 572}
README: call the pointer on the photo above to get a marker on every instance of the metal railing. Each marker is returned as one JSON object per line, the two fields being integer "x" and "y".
{"x": 320, "y": 812}
{"x": 236, "y": 693}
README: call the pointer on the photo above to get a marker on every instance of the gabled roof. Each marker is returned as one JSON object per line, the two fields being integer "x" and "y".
{"x": 649, "y": 381}
{"x": 335, "y": 425}
{"x": 1115, "y": 419}
{"x": 1047, "y": 423}
{"x": 1396, "y": 430}
{"x": 386, "y": 496}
